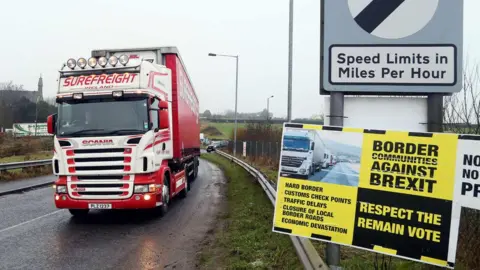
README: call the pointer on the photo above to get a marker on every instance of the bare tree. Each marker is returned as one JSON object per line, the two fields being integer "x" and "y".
{"x": 462, "y": 109}
{"x": 10, "y": 86}
{"x": 50, "y": 101}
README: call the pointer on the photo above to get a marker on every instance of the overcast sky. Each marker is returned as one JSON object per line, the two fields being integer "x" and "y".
{"x": 38, "y": 36}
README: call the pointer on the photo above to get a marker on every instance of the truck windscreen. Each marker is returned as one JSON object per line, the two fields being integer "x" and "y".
{"x": 296, "y": 144}
{"x": 99, "y": 117}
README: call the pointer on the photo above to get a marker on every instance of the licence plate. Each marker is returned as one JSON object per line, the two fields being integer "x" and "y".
{"x": 100, "y": 206}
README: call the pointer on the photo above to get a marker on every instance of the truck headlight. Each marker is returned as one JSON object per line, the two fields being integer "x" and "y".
{"x": 61, "y": 189}
{"x": 144, "y": 188}
{"x": 302, "y": 171}
{"x": 141, "y": 188}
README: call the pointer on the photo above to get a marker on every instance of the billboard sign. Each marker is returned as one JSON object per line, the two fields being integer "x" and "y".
{"x": 28, "y": 129}
{"x": 393, "y": 46}
{"x": 392, "y": 192}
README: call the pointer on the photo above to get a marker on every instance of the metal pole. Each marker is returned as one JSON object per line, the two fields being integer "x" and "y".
{"x": 236, "y": 95}
{"x": 268, "y": 109}
{"x": 435, "y": 113}
{"x": 290, "y": 52}
{"x": 336, "y": 119}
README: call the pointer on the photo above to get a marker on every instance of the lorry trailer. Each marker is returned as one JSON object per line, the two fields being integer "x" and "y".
{"x": 126, "y": 133}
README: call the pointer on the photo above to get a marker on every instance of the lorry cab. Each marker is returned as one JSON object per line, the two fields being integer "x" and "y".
{"x": 327, "y": 158}
{"x": 298, "y": 155}
{"x": 118, "y": 143}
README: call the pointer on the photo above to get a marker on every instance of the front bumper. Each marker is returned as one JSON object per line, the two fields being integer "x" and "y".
{"x": 64, "y": 201}
{"x": 293, "y": 175}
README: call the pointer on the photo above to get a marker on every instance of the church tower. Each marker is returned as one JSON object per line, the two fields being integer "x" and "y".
{"x": 40, "y": 88}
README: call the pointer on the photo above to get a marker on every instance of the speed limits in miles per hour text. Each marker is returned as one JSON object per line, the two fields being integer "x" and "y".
{"x": 393, "y": 65}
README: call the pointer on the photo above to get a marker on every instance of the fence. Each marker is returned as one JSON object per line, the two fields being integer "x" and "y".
{"x": 258, "y": 151}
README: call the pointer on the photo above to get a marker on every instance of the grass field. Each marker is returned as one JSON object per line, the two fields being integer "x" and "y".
{"x": 243, "y": 237}
{"x": 35, "y": 156}
{"x": 27, "y": 172}
{"x": 225, "y": 130}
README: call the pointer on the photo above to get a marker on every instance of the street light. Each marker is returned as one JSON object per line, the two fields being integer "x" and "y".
{"x": 236, "y": 95}
{"x": 290, "y": 60}
{"x": 36, "y": 115}
{"x": 268, "y": 107}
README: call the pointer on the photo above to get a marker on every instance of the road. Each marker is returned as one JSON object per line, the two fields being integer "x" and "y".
{"x": 36, "y": 235}
{"x": 342, "y": 173}
{"x": 16, "y": 184}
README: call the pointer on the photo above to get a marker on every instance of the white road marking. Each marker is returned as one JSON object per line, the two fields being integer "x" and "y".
{"x": 29, "y": 221}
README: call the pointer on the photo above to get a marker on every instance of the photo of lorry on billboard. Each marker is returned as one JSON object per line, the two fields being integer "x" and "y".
{"x": 317, "y": 156}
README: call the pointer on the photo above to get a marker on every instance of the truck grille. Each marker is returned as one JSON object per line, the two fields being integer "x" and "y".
{"x": 100, "y": 186}
{"x": 292, "y": 161}
{"x": 100, "y": 173}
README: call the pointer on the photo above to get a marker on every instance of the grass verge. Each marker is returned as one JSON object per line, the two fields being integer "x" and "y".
{"x": 354, "y": 258}
{"x": 26, "y": 172}
{"x": 35, "y": 156}
{"x": 243, "y": 238}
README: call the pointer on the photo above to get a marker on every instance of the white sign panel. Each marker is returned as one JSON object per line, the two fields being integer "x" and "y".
{"x": 383, "y": 113}
{"x": 467, "y": 185}
{"x": 100, "y": 82}
{"x": 28, "y": 129}
{"x": 430, "y": 65}
{"x": 244, "y": 149}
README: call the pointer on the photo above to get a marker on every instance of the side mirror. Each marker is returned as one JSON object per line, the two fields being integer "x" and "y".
{"x": 313, "y": 145}
{"x": 163, "y": 117}
{"x": 51, "y": 123}
{"x": 163, "y": 105}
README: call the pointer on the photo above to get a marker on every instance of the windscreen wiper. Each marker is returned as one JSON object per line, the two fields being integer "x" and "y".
{"x": 120, "y": 131}
{"x": 86, "y": 131}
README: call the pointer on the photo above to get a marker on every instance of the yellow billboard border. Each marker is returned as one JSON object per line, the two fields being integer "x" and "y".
{"x": 377, "y": 249}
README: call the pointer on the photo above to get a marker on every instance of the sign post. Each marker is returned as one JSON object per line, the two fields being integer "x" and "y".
{"x": 244, "y": 149}
{"x": 391, "y": 48}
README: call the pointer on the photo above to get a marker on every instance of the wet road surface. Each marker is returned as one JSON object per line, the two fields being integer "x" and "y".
{"x": 341, "y": 173}
{"x": 16, "y": 184}
{"x": 36, "y": 235}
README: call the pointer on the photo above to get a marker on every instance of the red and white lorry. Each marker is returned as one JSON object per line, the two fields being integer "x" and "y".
{"x": 126, "y": 131}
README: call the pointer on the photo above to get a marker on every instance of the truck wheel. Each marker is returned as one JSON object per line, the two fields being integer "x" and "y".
{"x": 163, "y": 209}
{"x": 195, "y": 170}
{"x": 183, "y": 194}
{"x": 78, "y": 212}
{"x": 188, "y": 178}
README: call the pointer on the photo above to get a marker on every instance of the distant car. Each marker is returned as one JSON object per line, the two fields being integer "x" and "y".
{"x": 210, "y": 148}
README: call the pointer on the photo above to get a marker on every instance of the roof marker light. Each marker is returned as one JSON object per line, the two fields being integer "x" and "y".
{"x": 113, "y": 60}
{"x": 102, "y": 61}
{"x": 82, "y": 62}
{"x": 123, "y": 59}
{"x": 117, "y": 93}
{"x": 78, "y": 96}
{"x": 92, "y": 62}
{"x": 71, "y": 63}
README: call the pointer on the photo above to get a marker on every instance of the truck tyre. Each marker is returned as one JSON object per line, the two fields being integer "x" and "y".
{"x": 195, "y": 170}
{"x": 184, "y": 192}
{"x": 163, "y": 209}
{"x": 78, "y": 212}
{"x": 188, "y": 179}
